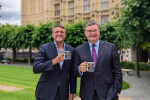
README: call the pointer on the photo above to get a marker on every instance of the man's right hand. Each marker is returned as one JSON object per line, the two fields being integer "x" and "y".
{"x": 83, "y": 67}
{"x": 58, "y": 59}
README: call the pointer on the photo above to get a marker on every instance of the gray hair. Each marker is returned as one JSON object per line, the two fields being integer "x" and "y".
{"x": 90, "y": 23}
{"x": 58, "y": 25}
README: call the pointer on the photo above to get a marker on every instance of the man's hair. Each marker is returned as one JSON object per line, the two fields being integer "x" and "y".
{"x": 90, "y": 23}
{"x": 58, "y": 25}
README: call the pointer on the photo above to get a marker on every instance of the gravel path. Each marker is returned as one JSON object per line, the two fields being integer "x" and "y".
{"x": 139, "y": 87}
{"x": 9, "y": 88}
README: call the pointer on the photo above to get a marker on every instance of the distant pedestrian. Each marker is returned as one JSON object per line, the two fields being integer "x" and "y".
{"x": 1, "y": 57}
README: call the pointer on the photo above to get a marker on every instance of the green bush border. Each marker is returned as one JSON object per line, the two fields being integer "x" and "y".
{"x": 131, "y": 65}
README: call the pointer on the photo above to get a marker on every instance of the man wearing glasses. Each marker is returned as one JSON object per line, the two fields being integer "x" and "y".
{"x": 98, "y": 65}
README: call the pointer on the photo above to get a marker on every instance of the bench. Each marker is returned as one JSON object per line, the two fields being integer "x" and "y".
{"x": 127, "y": 71}
{"x": 5, "y": 61}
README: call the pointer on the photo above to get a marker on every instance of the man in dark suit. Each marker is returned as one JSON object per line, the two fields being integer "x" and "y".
{"x": 105, "y": 82}
{"x": 54, "y": 81}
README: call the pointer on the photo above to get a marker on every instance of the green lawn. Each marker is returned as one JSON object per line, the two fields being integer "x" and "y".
{"x": 24, "y": 78}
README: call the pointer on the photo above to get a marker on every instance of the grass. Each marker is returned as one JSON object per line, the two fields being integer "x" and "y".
{"x": 24, "y": 78}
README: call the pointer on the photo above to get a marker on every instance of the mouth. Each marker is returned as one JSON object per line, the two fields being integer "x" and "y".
{"x": 59, "y": 37}
{"x": 93, "y": 36}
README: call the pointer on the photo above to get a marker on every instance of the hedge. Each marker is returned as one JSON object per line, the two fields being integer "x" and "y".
{"x": 131, "y": 65}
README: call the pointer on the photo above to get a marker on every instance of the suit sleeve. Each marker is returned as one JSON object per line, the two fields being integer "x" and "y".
{"x": 72, "y": 78}
{"x": 117, "y": 73}
{"x": 40, "y": 64}
{"x": 76, "y": 64}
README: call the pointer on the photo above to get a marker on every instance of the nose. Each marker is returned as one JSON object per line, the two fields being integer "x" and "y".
{"x": 59, "y": 33}
{"x": 92, "y": 32}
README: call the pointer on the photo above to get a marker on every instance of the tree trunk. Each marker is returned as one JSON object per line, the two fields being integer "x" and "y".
{"x": 30, "y": 56}
{"x": 136, "y": 62}
{"x": 14, "y": 55}
{"x": 121, "y": 54}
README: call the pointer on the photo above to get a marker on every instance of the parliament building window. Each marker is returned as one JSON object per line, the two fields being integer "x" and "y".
{"x": 70, "y": 21}
{"x": 104, "y": 4}
{"x": 57, "y": 10}
{"x": 87, "y": 19}
{"x": 104, "y": 19}
{"x": 71, "y": 7}
{"x": 86, "y": 5}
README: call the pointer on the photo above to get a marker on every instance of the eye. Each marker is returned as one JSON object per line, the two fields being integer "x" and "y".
{"x": 89, "y": 31}
{"x": 56, "y": 31}
{"x": 61, "y": 32}
{"x": 94, "y": 30}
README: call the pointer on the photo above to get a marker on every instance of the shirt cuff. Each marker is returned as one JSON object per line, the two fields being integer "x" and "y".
{"x": 80, "y": 73}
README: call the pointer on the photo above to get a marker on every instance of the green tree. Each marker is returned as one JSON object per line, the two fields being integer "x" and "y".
{"x": 23, "y": 38}
{"x": 42, "y": 34}
{"x": 6, "y": 38}
{"x": 135, "y": 24}
{"x": 75, "y": 33}
{"x": 109, "y": 32}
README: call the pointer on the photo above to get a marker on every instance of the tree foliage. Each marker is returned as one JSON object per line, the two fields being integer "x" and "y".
{"x": 42, "y": 34}
{"x": 6, "y": 33}
{"x": 135, "y": 21}
{"x": 33, "y": 36}
{"x": 109, "y": 32}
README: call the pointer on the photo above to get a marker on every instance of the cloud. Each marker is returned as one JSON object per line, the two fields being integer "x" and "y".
{"x": 10, "y": 12}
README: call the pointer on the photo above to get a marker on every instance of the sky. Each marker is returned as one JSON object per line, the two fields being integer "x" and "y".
{"x": 10, "y": 12}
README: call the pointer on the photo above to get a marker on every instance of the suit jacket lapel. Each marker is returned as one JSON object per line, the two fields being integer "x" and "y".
{"x": 54, "y": 50}
{"x": 100, "y": 51}
{"x": 87, "y": 52}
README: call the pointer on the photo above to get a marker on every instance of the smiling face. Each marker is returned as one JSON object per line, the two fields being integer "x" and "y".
{"x": 58, "y": 34}
{"x": 92, "y": 33}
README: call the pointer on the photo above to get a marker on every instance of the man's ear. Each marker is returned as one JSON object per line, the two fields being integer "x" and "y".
{"x": 85, "y": 33}
{"x": 52, "y": 34}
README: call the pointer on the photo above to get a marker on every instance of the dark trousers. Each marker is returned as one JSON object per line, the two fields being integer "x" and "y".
{"x": 57, "y": 96}
{"x": 95, "y": 97}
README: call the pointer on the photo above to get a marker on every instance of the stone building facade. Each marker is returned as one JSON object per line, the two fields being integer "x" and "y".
{"x": 129, "y": 55}
{"x": 66, "y": 11}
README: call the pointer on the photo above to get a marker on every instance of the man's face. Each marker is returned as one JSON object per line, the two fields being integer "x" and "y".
{"x": 59, "y": 34}
{"x": 92, "y": 33}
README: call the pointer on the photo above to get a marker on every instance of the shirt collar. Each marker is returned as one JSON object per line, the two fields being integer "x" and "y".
{"x": 56, "y": 44}
{"x": 96, "y": 44}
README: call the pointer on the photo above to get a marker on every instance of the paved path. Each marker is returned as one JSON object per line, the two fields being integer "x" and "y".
{"x": 139, "y": 87}
{"x": 78, "y": 98}
{"x": 9, "y": 88}
{"x": 18, "y": 64}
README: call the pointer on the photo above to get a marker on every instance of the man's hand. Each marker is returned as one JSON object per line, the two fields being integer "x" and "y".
{"x": 117, "y": 94}
{"x": 58, "y": 59}
{"x": 71, "y": 96}
{"x": 83, "y": 67}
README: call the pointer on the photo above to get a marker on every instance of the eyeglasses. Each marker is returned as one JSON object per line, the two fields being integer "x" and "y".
{"x": 90, "y": 31}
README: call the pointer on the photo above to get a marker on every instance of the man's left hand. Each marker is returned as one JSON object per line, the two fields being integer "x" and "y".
{"x": 71, "y": 96}
{"x": 117, "y": 94}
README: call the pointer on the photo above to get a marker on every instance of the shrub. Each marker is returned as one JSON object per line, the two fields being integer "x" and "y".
{"x": 20, "y": 59}
{"x": 131, "y": 65}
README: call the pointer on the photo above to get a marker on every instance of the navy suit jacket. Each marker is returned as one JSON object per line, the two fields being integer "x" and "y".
{"x": 107, "y": 77}
{"x": 51, "y": 75}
